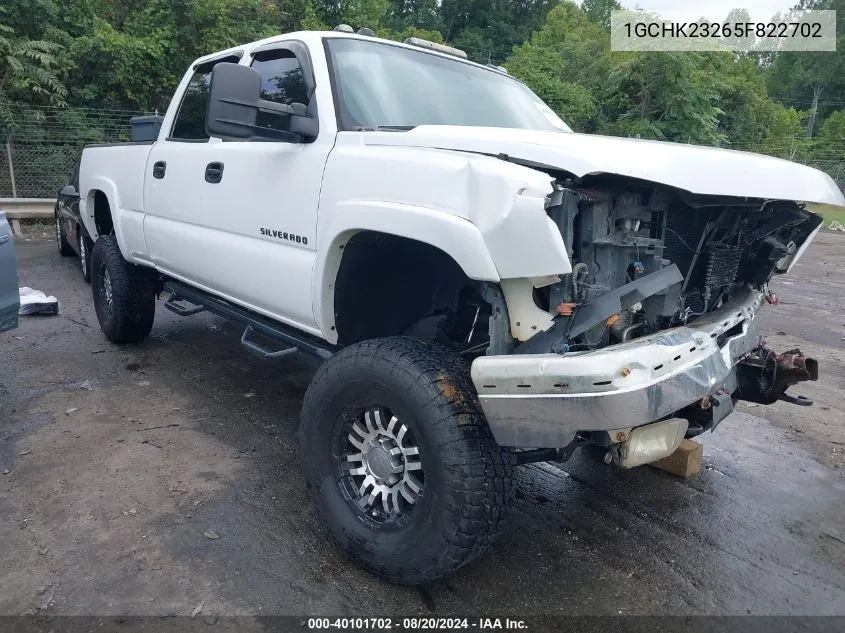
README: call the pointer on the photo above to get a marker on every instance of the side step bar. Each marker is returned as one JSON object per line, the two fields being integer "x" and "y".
{"x": 262, "y": 352}
{"x": 254, "y": 323}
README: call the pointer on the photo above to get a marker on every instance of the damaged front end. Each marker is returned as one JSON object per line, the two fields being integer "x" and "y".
{"x": 648, "y": 258}
{"x": 654, "y": 323}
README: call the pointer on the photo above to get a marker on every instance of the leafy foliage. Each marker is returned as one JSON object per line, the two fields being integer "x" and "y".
{"x": 27, "y": 73}
{"x": 812, "y": 81}
{"x": 565, "y": 63}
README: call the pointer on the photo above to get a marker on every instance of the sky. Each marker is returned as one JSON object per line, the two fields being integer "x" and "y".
{"x": 760, "y": 10}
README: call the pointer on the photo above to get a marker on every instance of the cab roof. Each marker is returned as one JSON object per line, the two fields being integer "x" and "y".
{"x": 316, "y": 37}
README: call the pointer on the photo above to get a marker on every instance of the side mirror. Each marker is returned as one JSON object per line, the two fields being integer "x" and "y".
{"x": 234, "y": 102}
{"x": 69, "y": 191}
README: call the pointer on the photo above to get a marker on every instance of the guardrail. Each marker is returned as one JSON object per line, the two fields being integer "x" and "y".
{"x": 27, "y": 208}
{"x": 18, "y": 209}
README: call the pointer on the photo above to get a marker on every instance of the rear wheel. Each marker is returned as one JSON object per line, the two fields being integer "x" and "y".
{"x": 65, "y": 249}
{"x": 400, "y": 461}
{"x": 124, "y": 294}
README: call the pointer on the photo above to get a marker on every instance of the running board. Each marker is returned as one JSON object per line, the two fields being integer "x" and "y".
{"x": 254, "y": 323}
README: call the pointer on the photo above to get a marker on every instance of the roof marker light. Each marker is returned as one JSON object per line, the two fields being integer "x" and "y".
{"x": 434, "y": 46}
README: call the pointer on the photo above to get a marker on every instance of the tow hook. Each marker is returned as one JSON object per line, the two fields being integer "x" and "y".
{"x": 764, "y": 376}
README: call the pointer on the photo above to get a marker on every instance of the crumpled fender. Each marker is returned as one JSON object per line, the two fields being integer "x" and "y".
{"x": 487, "y": 214}
{"x": 507, "y": 203}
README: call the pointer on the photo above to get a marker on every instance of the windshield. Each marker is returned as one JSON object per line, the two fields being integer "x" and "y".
{"x": 383, "y": 86}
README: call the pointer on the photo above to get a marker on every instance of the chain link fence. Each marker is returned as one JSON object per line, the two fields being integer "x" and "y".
{"x": 37, "y": 170}
{"x": 41, "y": 152}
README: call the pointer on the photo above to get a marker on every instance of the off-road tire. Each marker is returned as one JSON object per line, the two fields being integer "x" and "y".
{"x": 65, "y": 249}
{"x": 129, "y": 317}
{"x": 468, "y": 485}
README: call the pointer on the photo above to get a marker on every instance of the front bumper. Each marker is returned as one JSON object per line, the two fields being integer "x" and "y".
{"x": 543, "y": 400}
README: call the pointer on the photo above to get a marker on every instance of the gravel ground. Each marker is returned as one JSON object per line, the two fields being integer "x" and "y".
{"x": 119, "y": 463}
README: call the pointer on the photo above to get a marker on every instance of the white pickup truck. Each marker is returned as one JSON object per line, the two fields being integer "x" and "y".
{"x": 485, "y": 287}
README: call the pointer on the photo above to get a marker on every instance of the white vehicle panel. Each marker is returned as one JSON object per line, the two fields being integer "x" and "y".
{"x": 117, "y": 171}
{"x": 504, "y": 201}
{"x": 260, "y": 223}
{"x": 701, "y": 170}
{"x": 172, "y": 206}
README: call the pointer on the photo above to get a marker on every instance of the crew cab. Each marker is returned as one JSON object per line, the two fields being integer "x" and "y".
{"x": 485, "y": 287}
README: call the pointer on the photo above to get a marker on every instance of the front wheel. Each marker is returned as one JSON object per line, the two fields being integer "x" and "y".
{"x": 124, "y": 294}
{"x": 400, "y": 461}
{"x": 65, "y": 249}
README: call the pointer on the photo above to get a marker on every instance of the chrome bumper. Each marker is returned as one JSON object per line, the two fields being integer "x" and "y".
{"x": 543, "y": 400}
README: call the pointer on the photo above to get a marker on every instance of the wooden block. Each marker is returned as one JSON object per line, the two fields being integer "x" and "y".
{"x": 684, "y": 462}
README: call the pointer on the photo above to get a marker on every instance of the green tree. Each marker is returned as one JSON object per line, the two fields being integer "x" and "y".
{"x": 489, "y": 29}
{"x": 805, "y": 78}
{"x": 416, "y": 14}
{"x": 566, "y": 63}
{"x": 363, "y": 13}
{"x": 27, "y": 73}
{"x": 136, "y": 61}
{"x": 663, "y": 96}
{"x": 831, "y": 136}
{"x": 310, "y": 20}
{"x": 598, "y": 11}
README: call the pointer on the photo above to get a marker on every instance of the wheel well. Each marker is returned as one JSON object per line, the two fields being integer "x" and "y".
{"x": 389, "y": 285}
{"x": 102, "y": 214}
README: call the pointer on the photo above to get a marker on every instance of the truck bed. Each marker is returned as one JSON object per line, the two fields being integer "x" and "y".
{"x": 117, "y": 169}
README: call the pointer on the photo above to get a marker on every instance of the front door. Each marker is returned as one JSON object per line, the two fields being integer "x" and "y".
{"x": 259, "y": 206}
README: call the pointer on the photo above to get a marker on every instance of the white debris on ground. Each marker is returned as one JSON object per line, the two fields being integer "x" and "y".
{"x": 36, "y": 302}
{"x": 835, "y": 225}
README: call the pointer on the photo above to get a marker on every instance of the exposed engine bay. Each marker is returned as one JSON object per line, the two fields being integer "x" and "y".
{"x": 649, "y": 258}
{"x": 669, "y": 282}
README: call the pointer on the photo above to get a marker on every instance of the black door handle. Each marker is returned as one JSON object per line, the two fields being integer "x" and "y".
{"x": 214, "y": 172}
{"x": 158, "y": 169}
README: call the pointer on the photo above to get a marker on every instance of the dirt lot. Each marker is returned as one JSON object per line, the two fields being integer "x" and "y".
{"x": 119, "y": 462}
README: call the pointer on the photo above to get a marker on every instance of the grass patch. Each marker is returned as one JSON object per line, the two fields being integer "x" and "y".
{"x": 828, "y": 212}
{"x": 37, "y": 224}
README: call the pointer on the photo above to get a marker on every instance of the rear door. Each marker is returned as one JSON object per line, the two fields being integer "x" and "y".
{"x": 173, "y": 181}
{"x": 9, "y": 295}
